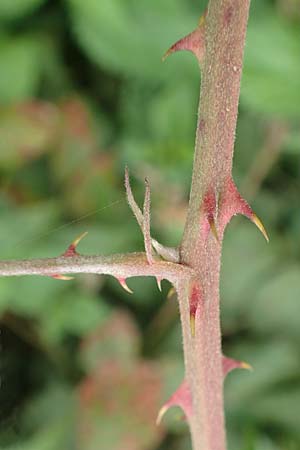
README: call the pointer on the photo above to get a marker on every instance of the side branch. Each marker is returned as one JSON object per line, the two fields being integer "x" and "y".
{"x": 119, "y": 265}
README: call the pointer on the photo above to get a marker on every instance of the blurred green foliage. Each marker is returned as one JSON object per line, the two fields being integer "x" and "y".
{"x": 82, "y": 92}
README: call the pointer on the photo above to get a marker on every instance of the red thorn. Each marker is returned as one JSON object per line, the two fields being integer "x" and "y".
{"x": 71, "y": 250}
{"x": 59, "y": 276}
{"x": 182, "y": 398}
{"x": 209, "y": 208}
{"x": 213, "y": 227}
{"x": 193, "y": 42}
{"x": 196, "y": 297}
{"x": 123, "y": 283}
{"x": 232, "y": 203}
{"x": 230, "y": 364}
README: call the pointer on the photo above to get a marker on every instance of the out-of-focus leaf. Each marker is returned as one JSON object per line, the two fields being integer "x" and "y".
{"x": 119, "y": 406}
{"x": 14, "y": 9}
{"x": 272, "y": 362}
{"x": 271, "y": 80}
{"x": 247, "y": 261}
{"x": 275, "y": 307}
{"x": 29, "y": 296}
{"x": 280, "y": 408}
{"x": 26, "y": 132}
{"x": 72, "y": 313}
{"x": 20, "y": 67}
{"x": 116, "y": 339}
{"x": 54, "y": 412}
{"x": 21, "y": 228}
{"x": 130, "y": 37}
{"x": 122, "y": 395}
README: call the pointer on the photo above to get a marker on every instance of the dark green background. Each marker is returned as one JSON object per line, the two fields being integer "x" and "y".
{"x": 83, "y": 92}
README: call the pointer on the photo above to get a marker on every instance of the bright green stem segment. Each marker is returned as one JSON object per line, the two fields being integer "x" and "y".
{"x": 226, "y": 24}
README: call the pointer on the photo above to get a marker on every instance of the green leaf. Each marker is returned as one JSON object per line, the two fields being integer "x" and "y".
{"x": 15, "y": 9}
{"x": 247, "y": 261}
{"x": 20, "y": 67}
{"x": 272, "y": 361}
{"x": 271, "y": 79}
{"x": 129, "y": 37}
{"x": 275, "y": 307}
{"x": 74, "y": 313}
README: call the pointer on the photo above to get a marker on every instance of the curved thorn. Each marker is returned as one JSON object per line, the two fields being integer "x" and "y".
{"x": 260, "y": 226}
{"x": 58, "y": 276}
{"x": 71, "y": 250}
{"x": 230, "y": 364}
{"x": 182, "y": 398}
{"x": 193, "y": 42}
{"x": 123, "y": 283}
{"x": 160, "y": 414}
{"x": 245, "y": 365}
{"x": 158, "y": 281}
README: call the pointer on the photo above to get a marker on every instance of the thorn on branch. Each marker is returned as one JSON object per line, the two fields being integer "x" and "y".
{"x": 196, "y": 297}
{"x": 193, "y": 42}
{"x": 124, "y": 285}
{"x": 158, "y": 281}
{"x": 230, "y": 364}
{"x": 209, "y": 209}
{"x": 182, "y": 398}
{"x": 58, "y": 276}
{"x": 71, "y": 250}
{"x": 232, "y": 203}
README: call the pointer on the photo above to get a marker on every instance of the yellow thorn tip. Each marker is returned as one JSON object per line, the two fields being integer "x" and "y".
{"x": 192, "y": 325}
{"x": 213, "y": 229}
{"x": 161, "y": 413}
{"x": 124, "y": 285}
{"x": 158, "y": 281}
{"x": 171, "y": 292}
{"x": 247, "y": 366}
{"x": 62, "y": 277}
{"x": 79, "y": 238}
{"x": 260, "y": 226}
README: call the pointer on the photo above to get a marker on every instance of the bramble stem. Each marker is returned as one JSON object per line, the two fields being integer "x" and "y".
{"x": 120, "y": 266}
{"x": 226, "y": 24}
{"x": 213, "y": 201}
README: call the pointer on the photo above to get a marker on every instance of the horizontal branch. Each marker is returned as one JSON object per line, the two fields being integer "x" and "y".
{"x": 119, "y": 265}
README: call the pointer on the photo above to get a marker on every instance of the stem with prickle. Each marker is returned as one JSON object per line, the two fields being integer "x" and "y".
{"x": 194, "y": 267}
{"x": 218, "y": 44}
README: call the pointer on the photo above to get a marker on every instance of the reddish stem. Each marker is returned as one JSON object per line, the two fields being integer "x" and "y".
{"x": 201, "y": 247}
